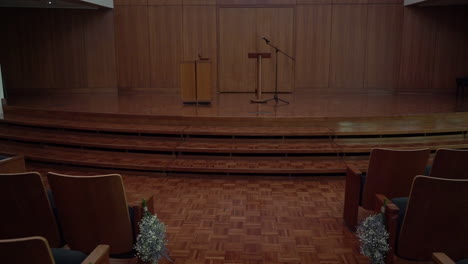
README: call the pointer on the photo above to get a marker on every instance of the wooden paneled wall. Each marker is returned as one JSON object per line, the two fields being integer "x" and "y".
{"x": 339, "y": 45}
{"x": 62, "y": 51}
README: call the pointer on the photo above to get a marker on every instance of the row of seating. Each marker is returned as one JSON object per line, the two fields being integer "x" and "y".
{"x": 81, "y": 213}
{"x": 423, "y": 213}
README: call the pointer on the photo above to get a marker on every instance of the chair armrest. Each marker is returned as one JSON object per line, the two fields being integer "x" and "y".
{"x": 100, "y": 255}
{"x": 13, "y": 164}
{"x": 441, "y": 258}
{"x": 381, "y": 199}
{"x": 352, "y": 194}
{"x": 391, "y": 224}
{"x": 138, "y": 212}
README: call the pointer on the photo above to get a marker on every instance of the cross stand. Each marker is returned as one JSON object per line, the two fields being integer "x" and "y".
{"x": 275, "y": 97}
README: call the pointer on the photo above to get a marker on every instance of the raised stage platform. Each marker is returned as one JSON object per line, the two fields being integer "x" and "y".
{"x": 302, "y": 104}
{"x": 229, "y": 137}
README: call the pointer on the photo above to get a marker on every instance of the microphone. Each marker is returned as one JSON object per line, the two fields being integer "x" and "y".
{"x": 265, "y": 39}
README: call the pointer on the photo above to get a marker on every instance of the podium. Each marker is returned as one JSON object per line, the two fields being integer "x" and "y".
{"x": 258, "y": 91}
{"x": 195, "y": 81}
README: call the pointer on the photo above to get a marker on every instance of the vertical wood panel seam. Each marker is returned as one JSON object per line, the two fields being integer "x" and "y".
{"x": 400, "y": 45}
{"x": 366, "y": 38}
{"x": 433, "y": 51}
{"x": 183, "y": 34}
{"x": 403, "y": 36}
{"x": 115, "y": 56}
{"x": 218, "y": 49}
{"x": 293, "y": 76}
{"x": 330, "y": 62}
{"x": 150, "y": 61}
{"x": 83, "y": 27}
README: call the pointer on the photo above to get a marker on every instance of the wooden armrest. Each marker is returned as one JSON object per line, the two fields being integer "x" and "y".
{"x": 441, "y": 258}
{"x": 353, "y": 169}
{"x": 381, "y": 199}
{"x": 138, "y": 212}
{"x": 13, "y": 164}
{"x": 391, "y": 224}
{"x": 100, "y": 255}
{"x": 352, "y": 194}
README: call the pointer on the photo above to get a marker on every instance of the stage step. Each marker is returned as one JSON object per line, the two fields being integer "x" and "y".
{"x": 255, "y": 146}
{"x": 433, "y": 142}
{"x": 189, "y": 164}
{"x": 154, "y": 128}
{"x": 227, "y": 146}
{"x": 241, "y": 126}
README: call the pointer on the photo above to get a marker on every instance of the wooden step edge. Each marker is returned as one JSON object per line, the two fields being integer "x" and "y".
{"x": 98, "y": 127}
{"x": 83, "y": 143}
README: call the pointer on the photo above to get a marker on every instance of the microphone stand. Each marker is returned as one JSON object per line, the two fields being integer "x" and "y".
{"x": 275, "y": 97}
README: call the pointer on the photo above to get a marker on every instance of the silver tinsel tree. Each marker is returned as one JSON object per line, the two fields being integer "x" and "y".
{"x": 374, "y": 238}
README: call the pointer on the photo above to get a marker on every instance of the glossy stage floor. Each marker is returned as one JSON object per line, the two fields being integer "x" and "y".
{"x": 301, "y": 104}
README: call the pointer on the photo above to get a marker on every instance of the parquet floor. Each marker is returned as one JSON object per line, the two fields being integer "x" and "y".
{"x": 241, "y": 219}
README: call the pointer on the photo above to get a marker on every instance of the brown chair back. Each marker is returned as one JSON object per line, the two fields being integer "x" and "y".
{"x": 13, "y": 164}
{"x": 93, "y": 210}
{"x": 28, "y": 250}
{"x": 451, "y": 164}
{"x": 27, "y": 210}
{"x": 436, "y": 219}
{"x": 391, "y": 173}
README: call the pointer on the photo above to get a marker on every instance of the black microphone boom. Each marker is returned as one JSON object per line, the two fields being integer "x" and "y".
{"x": 265, "y": 39}
{"x": 275, "y": 97}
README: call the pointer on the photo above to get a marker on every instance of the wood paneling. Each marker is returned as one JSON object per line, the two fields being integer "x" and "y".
{"x": 164, "y": 2}
{"x": 199, "y": 2}
{"x": 100, "y": 49}
{"x": 36, "y": 55}
{"x": 350, "y": 1}
{"x": 463, "y": 59}
{"x": 256, "y": 2}
{"x": 188, "y": 82}
{"x": 313, "y": 2}
{"x": 165, "y": 31}
{"x": 448, "y": 49}
{"x": 277, "y": 24}
{"x": 386, "y": 2}
{"x": 275, "y": 2}
{"x": 69, "y": 48}
{"x": 313, "y": 24}
{"x": 130, "y": 2}
{"x": 199, "y": 35}
{"x": 237, "y": 37}
{"x": 417, "y": 55}
{"x": 10, "y": 64}
{"x": 348, "y": 47}
{"x": 384, "y": 26}
{"x": 237, "y": 72}
{"x": 204, "y": 88}
{"x": 132, "y": 46}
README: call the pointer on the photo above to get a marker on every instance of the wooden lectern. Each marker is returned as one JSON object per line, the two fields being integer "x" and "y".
{"x": 258, "y": 91}
{"x": 195, "y": 81}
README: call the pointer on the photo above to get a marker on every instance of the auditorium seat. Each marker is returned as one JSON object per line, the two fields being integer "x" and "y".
{"x": 93, "y": 210}
{"x": 28, "y": 213}
{"x": 434, "y": 220}
{"x": 36, "y": 250}
{"x": 27, "y": 208}
{"x": 390, "y": 172}
{"x": 442, "y": 258}
{"x": 450, "y": 163}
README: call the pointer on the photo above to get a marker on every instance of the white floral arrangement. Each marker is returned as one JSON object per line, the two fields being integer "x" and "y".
{"x": 151, "y": 241}
{"x": 374, "y": 238}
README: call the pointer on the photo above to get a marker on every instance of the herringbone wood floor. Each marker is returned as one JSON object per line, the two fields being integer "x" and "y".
{"x": 240, "y": 219}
